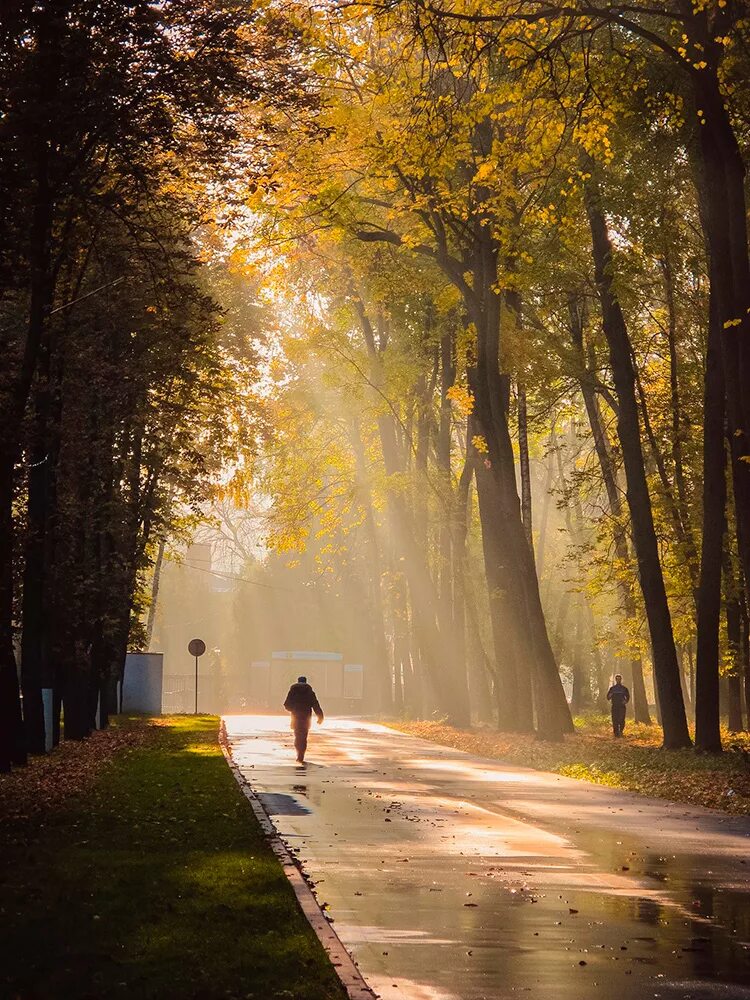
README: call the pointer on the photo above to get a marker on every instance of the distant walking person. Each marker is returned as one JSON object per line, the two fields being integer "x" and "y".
{"x": 302, "y": 702}
{"x": 619, "y": 695}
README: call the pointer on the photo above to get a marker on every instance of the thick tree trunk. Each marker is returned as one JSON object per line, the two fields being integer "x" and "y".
{"x": 720, "y": 179}
{"x": 515, "y": 709}
{"x": 41, "y": 291}
{"x": 12, "y": 741}
{"x": 519, "y": 626}
{"x": 707, "y": 733}
{"x": 483, "y": 688}
{"x": 666, "y": 667}
{"x": 76, "y": 692}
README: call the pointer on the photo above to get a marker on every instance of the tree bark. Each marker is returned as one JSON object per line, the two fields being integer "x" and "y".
{"x": 678, "y": 433}
{"x": 734, "y": 678}
{"x": 541, "y": 547}
{"x": 13, "y": 408}
{"x": 518, "y": 620}
{"x": 745, "y": 652}
{"x": 12, "y": 742}
{"x": 719, "y": 172}
{"x": 733, "y": 618}
{"x": 581, "y": 698}
{"x": 523, "y": 451}
{"x": 35, "y": 666}
{"x": 707, "y": 732}
{"x": 666, "y": 667}
{"x": 154, "y": 593}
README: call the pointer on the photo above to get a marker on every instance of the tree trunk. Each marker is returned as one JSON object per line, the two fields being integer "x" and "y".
{"x": 34, "y": 617}
{"x": 733, "y": 615}
{"x": 734, "y": 680}
{"x": 452, "y": 541}
{"x": 485, "y": 688}
{"x": 523, "y": 450}
{"x": 666, "y": 667}
{"x": 720, "y": 179}
{"x": 519, "y": 627}
{"x": 678, "y": 433}
{"x": 12, "y": 742}
{"x": 154, "y": 593}
{"x": 609, "y": 476}
{"x": 745, "y": 653}
{"x": 541, "y": 547}
{"x": 515, "y": 708}
{"x": 581, "y": 698}
{"x": 35, "y": 668}
{"x": 707, "y": 733}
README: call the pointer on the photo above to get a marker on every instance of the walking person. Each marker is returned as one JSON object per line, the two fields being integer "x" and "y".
{"x": 619, "y": 696}
{"x": 301, "y": 702}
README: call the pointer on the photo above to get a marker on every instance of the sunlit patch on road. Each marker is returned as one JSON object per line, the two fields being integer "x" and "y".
{"x": 449, "y": 877}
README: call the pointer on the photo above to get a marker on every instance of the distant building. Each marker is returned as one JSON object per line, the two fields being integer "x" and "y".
{"x": 339, "y": 685}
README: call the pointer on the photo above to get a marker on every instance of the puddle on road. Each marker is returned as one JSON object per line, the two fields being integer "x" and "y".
{"x": 515, "y": 934}
{"x": 544, "y": 915}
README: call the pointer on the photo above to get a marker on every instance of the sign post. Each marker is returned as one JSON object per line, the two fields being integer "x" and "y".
{"x": 196, "y": 648}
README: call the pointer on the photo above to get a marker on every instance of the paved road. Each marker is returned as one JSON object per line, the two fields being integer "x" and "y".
{"x": 453, "y": 877}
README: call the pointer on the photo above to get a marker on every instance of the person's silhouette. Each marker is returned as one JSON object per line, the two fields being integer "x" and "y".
{"x": 619, "y": 696}
{"x": 301, "y": 702}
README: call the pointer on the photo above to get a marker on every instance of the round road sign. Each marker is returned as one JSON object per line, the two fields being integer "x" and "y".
{"x": 196, "y": 647}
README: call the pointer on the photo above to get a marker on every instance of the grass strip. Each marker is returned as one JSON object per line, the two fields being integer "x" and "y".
{"x": 636, "y": 763}
{"x": 153, "y": 880}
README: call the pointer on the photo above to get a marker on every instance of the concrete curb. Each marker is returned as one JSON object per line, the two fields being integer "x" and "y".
{"x": 351, "y": 978}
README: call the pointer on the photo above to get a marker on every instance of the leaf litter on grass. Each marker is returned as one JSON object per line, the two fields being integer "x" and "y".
{"x": 636, "y": 763}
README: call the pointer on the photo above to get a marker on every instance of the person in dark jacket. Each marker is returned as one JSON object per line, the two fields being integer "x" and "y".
{"x": 301, "y": 702}
{"x": 619, "y": 696}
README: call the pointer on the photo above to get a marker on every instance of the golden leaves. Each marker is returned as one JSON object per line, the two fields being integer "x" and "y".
{"x": 462, "y": 398}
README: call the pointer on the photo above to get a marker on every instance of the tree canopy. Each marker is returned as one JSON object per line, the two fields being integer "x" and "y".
{"x": 460, "y": 290}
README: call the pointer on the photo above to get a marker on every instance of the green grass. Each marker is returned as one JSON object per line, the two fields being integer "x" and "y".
{"x": 154, "y": 881}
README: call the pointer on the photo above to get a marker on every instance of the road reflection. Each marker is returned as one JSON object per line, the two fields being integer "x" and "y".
{"x": 452, "y": 878}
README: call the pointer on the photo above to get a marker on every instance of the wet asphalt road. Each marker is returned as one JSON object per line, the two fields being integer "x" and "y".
{"x": 453, "y": 877}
